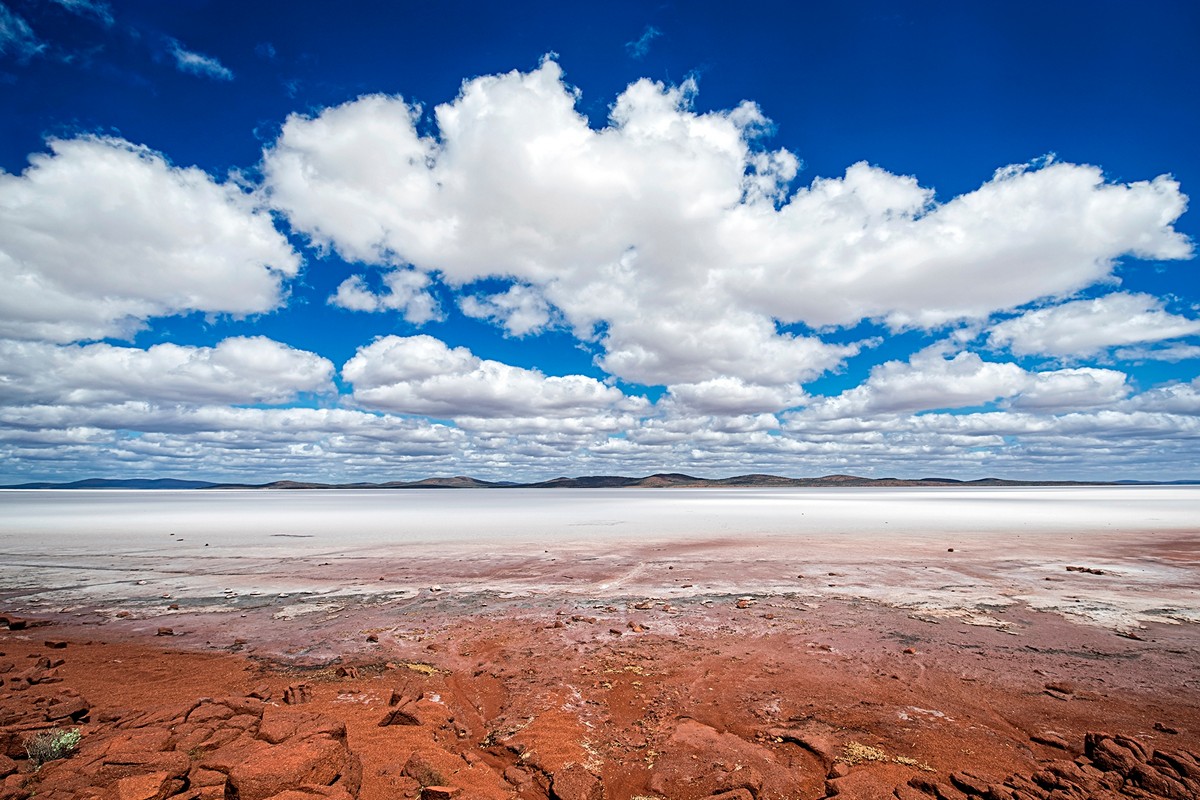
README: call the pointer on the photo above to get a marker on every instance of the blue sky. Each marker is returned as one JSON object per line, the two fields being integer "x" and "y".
{"x": 373, "y": 241}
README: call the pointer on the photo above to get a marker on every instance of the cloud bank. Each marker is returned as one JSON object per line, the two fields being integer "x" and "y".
{"x": 740, "y": 320}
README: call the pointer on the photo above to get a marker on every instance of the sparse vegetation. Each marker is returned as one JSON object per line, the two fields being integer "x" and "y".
{"x": 51, "y": 745}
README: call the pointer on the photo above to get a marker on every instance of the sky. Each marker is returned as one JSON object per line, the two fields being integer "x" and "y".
{"x": 378, "y": 241}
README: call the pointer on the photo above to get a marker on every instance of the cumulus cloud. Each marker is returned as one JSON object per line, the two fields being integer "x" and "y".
{"x": 732, "y": 396}
{"x": 930, "y": 381}
{"x": 406, "y": 291}
{"x": 421, "y": 375}
{"x": 521, "y": 310}
{"x": 238, "y": 370}
{"x": 101, "y": 234}
{"x": 674, "y": 238}
{"x": 1088, "y": 327}
{"x": 195, "y": 63}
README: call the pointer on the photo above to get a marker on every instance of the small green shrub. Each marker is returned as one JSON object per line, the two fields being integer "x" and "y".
{"x": 51, "y": 745}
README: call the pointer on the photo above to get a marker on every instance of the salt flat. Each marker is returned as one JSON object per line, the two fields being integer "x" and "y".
{"x": 963, "y": 551}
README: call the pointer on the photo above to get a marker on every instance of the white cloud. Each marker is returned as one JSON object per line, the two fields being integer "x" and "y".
{"x": 16, "y": 36}
{"x": 1064, "y": 389}
{"x": 930, "y": 381}
{"x": 237, "y": 370}
{"x": 197, "y": 63}
{"x": 101, "y": 234}
{"x": 1088, "y": 327}
{"x": 521, "y": 310}
{"x": 672, "y": 236}
{"x": 407, "y": 291}
{"x": 732, "y": 396}
{"x": 421, "y": 375}
{"x": 1170, "y": 352}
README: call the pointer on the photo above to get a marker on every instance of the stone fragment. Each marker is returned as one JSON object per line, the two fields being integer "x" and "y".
{"x": 296, "y": 694}
{"x": 62, "y": 708}
{"x": 970, "y": 782}
{"x": 420, "y": 768}
{"x": 573, "y": 781}
{"x": 1051, "y": 739}
{"x": 347, "y": 672}
{"x": 399, "y": 716}
{"x": 440, "y": 792}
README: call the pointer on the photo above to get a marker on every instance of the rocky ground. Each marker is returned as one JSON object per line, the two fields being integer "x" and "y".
{"x": 731, "y": 697}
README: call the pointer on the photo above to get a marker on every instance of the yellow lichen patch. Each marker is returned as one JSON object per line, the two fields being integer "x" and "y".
{"x": 858, "y": 753}
{"x": 424, "y": 669}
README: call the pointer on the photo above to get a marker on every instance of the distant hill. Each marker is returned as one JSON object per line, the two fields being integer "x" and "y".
{"x": 662, "y": 480}
{"x": 107, "y": 483}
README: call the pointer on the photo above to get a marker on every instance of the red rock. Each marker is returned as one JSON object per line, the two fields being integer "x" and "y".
{"x": 440, "y": 792}
{"x": 1062, "y": 687}
{"x": 420, "y": 767}
{"x": 165, "y": 632}
{"x": 1110, "y": 754}
{"x": 815, "y": 739}
{"x": 970, "y": 782}
{"x": 319, "y": 760}
{"x": 313, "y": 793}
{"x": 868, "y": 782}
{"x": 281, "y": 724}
{"x": 1051, "y": 739}
{"x": 573, "y": 782}
{"x": 199, "y": 776}
{"x": 7, "y": 766}
{"x": 371, "y": 637}
{"x": 347, "y": 672}
{"x": 296, "y": 694}
{"x": 400, "y": 716}
{"x": 55, "y": 644}
{"x": 74, "y": 708}
{"x": 151, "y": 786}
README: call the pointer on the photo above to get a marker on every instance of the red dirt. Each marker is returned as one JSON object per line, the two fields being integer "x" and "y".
{"x": 581, "y": 699}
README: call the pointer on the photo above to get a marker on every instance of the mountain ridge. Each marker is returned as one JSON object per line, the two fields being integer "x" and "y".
{"x": 659, "y": 480}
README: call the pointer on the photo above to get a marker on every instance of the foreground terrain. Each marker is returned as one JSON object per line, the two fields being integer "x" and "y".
{"x": 738, "y": 697}
{"x": 741, "y": 644}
